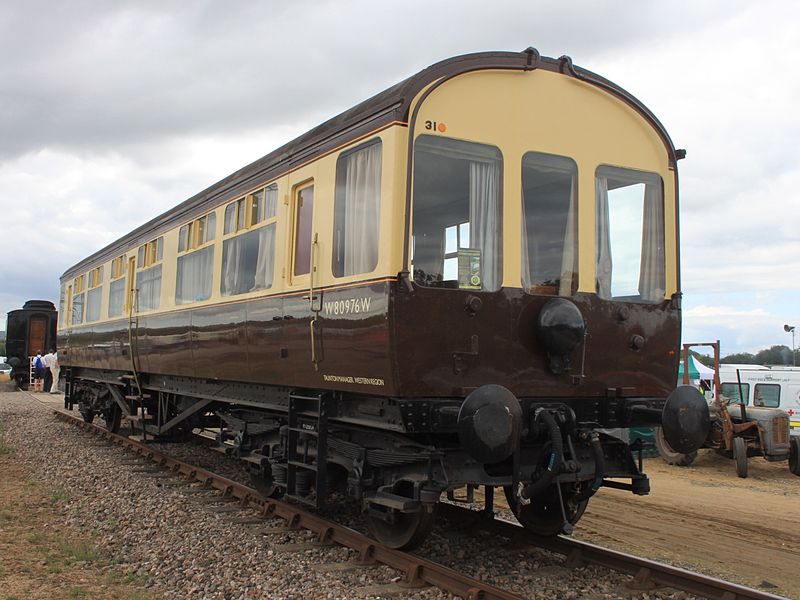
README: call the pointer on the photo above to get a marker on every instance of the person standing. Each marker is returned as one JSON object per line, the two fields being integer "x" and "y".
{"x": 38, "y": 372}
{"x": 48, "y": 360}
{"x": 55, "y": 369}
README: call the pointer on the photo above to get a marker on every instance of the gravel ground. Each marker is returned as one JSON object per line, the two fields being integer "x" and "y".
{"x": 173, "y": 539}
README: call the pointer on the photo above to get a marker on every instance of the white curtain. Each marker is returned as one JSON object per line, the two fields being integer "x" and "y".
{"x": 569, "y": 259}
{"x": 265, "y": 265}
{"x": 194, "y": 276}
{"x": 362, "y": 210}
{"x": 484, "y": 220}
{"x": 603, "y": 231}
{"x": 651, "y": 275}
{"x": 148, "y": 282}
{"x": 231, "y": 274}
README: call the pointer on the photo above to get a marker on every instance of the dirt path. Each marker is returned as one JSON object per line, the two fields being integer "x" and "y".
{"x": 42, "y": 558}
{"x": 706, "y": 518}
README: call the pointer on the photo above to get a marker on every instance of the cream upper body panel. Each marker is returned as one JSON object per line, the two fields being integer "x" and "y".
{"x": 551, "y": 113}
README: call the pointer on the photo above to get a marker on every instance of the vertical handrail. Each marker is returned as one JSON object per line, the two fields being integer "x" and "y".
{"x": 315, "y": 309}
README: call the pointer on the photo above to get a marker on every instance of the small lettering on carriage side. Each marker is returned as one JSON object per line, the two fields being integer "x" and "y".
{"x": 354, "y": 380}
{"x": 350, "y": 306}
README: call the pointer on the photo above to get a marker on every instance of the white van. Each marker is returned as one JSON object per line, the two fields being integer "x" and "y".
{"x": 772, "y": 387}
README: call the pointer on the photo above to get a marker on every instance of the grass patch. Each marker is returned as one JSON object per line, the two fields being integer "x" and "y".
{"x": 78, "y": 551}
{"x": 77, "y": 592}
{"x": 58, "y": 495}
{"x": 5, "y": 450}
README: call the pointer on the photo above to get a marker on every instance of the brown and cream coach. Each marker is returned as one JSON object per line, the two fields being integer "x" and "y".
{"x": 465, "y": 279}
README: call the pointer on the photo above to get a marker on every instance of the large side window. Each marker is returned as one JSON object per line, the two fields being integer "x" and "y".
{"x": 116, "y": 289}
{"x": 630, "y": 235}
{"x": 248, "y": 250}
{"x": 62, "y": 306}
{"x": 195, "y": 259}
{"x": 767, "y": 394}
{"x": 79, "y": 295}
{"x": 549, "y": 235}
{"x": 357, "y": 210}
{"x": 456, "y": 216}
{"x": 148, "y": 278}
{"x": 95, "y": 294}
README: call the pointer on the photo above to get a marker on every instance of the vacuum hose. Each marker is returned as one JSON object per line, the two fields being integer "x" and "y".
{"x": 554, "y": 461}
{"x": 599, "y": 468}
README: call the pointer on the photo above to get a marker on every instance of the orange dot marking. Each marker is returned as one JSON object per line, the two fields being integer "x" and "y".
{"x": 442, "y": 128}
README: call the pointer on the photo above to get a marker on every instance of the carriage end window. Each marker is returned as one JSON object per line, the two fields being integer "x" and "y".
{"x": 357, "y": 210}
{"x": 456, "y": 214}
{"x": 630, "y": 235}
{"x": 549, "y": 236}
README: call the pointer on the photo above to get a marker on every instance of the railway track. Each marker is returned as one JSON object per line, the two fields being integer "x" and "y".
{"x": 418, "y": 572}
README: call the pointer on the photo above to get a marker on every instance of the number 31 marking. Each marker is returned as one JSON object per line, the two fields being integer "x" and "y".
{"x": 434, "y": 126}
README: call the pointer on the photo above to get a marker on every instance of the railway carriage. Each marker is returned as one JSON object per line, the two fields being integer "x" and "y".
{"x": 463, "y": 280}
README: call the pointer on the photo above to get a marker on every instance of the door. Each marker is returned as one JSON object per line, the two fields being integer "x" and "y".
{"x": 36, "y": 335}
{"x": 303, "y": 271}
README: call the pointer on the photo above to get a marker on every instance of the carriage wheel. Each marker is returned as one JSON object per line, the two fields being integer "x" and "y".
{"x": 87, "y": 414}
{"x": 112, "y": 417}
{"x": 264, "y": 484}
{"x": 403, "y": 530}
{"x": 407, "y": 530}
{"x": 543, "y": 515}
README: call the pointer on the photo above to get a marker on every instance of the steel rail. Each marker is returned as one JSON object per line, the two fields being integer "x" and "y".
{"x": 647, "y": 574}
{"x": 418, "y": 572}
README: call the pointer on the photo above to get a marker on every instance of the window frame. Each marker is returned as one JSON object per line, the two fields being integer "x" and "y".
{"x": 245, "y": 220}
{"x": 636, "y": 176}
{"x": 500, "y": 162}
{"x": 551, "y": 289}
{"x": 339, "y": 207}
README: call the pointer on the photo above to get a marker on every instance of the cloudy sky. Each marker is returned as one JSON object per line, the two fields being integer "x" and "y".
{"x": 113, "y": 112}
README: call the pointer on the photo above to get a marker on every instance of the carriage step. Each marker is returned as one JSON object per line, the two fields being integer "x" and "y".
{"x": 394, "y": 501}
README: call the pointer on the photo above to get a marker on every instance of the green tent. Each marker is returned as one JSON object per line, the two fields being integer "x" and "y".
{"x": 693, "y": 372}
{"x": 697, "y": 370}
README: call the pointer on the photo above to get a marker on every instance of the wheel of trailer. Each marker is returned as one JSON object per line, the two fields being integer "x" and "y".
{"x": 794, "y": 454}
{"x": 112, "y": 417}
{"x": 543, "y": 515}
{"x": 740, "y": 456}
{"x": 403, "y": 530}
{"x": 670, "y": 456}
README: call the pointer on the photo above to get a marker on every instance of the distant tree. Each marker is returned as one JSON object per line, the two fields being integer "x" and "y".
{"x": 775, "y": 355}
{"x": 744, "y": 358}
{"x": 2, "y": 348}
